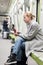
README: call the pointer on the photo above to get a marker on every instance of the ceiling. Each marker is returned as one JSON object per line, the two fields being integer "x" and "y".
{"x": 4, "y": 6}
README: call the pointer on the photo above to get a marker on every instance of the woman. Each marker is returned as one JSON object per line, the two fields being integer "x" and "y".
{"x": 29, "y": 41}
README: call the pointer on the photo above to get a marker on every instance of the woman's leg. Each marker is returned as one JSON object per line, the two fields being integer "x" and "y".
{"x": 17, "y": 45}
{"x": 21, "y": 53}
{"x": 16, "y": 52}
{"x": 21, "y": 57}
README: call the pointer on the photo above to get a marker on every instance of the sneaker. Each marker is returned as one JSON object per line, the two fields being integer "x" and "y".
{"x": 21, "y": 63}
{"x": 11, "y": 60}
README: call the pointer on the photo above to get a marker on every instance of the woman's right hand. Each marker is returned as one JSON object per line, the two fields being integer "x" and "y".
{"x": 16, "y": 34}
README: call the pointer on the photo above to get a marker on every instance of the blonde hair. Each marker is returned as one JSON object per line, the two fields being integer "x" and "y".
{"x": 30, "y": 15}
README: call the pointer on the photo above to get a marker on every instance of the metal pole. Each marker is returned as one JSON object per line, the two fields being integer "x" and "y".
{"x": 17, "y": 15}
{"x": 37, "y": 10}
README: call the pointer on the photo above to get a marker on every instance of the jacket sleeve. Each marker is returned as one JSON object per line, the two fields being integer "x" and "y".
{"x": 32, "y": 33}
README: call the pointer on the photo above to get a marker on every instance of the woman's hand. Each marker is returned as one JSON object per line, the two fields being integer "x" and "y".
{"x": 16, "y": 34}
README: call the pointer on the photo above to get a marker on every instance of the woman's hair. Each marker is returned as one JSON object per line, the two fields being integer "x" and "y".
{"x": 30, "y": 15}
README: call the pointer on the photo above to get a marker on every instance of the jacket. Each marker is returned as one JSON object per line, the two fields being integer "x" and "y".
{"x": 34, "y": 37}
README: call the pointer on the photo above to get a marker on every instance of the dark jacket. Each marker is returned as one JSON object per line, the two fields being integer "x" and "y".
{"x": 5, "y": 25}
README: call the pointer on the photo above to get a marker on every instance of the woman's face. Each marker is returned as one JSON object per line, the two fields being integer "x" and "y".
{"x": 26, "y": 18}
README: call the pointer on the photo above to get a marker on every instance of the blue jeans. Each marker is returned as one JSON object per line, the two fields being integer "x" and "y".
{"x": 17, "y": 49}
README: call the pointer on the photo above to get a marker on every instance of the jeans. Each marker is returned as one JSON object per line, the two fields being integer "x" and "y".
{"x": 17, "y": 48}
